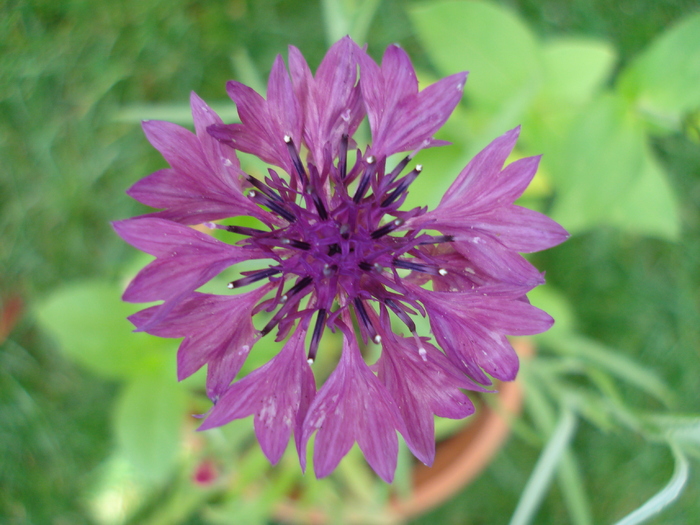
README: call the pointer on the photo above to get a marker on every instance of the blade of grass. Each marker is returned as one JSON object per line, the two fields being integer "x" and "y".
{"x": 541, "y": 476}
{"x": 666, "y": 496}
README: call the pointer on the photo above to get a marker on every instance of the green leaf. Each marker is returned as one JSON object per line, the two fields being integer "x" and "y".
{"x": 664, "y": 81}
{"x": 541, "y": 476}
{"x": 650, "y": 206}
{"x": 684, "y": 431}
{"x": 88, "y": 319}
{"x": 666, "y": 496}
{"x": 148, "y": 421}
{"x": 599, "y": 164}
{"x": 575, "y": 69}
{"x": 489, "y": 41}
{"x": 593, "y": 352}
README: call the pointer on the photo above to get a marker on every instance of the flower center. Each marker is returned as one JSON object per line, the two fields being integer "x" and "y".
{"x": 334, "y": 244}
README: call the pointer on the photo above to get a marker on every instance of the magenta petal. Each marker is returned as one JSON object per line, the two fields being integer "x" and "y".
{"x": 471, "y": 328}
{"x": 422, "y": 382}
{"x": 204, "y": 181}
{"x": 218, "y": 331}
{"x": 354, "y": 406}
{"x": 400, "y": 117}
{"x": 276, "y": 394}
{"x": 185, "y": 260}
{"x": 520, "y": 229}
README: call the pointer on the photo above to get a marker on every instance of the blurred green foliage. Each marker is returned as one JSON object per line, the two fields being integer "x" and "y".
{"x": 94, "y": 424}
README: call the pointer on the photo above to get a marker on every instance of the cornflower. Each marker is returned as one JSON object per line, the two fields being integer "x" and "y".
{"x": 336, "y": 251}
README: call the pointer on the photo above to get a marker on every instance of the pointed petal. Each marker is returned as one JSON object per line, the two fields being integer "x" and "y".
{"x": 354, "y": 406}
{"x": 471, "y": 328}
{"x": 422, "y": 382}
{"x": 273, "y": 393}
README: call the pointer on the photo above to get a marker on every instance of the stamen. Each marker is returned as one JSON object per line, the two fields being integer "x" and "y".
{"x": 439, "y": 239}
{"x": 366, "y": 178}
{"x": 257, "y": 276}
{"x": 402, "y": 187}
{"x": 306, "y": 281}
{"x": 395, "y": 172}
{"x": 364, "y": 318}
{"x": 316, "y": 336}
{"x": 279, "y": 210}
{"x": 343, "y": 157}
{"x": 264, "y": 188}
{"x": 242, "y": 230}
{"x": 320, "y": 208}
{"x": 387, "y": 228}
{"x": 296, "y": 160}
{"x": 416, "y": 267}
{"x": 302, "y": 245}
{"x": 401, "y": 314}
{"x": 364, "y": 265}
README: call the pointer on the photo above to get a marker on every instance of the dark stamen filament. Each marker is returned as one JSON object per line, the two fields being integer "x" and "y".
{"x": 364, "y": 318}
{"x": 333, "y": 249}
{"x": 279, "y": 210}
{"x": 242, "y": 230}
{"x": 296, "y": 160}
{"x": 364, "y": 265}
{"x": 439, "y": 239}
{"x": 302, "y": 245}
{"x": 401, "y": 314}
{"x": 320, "y": 208}
{"x": 257, "y": 276}
{"x": 395, "y": 172}
{"x": 365, "y": 180}
{"x": 387, "y": 228}
{"x": 417, "y": 267}
{"x": 343, "y": 157}
{"x": 402, "y": 187}
{"x": 316, "y": 336}
{"x": 265, "y": 188}
{"x": 303, "y": 283}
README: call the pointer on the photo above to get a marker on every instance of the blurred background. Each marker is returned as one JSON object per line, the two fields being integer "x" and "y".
{"x": 93, "y": 427}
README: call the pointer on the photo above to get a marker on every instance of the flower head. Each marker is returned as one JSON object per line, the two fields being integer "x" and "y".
{"x": 337, "y": 251}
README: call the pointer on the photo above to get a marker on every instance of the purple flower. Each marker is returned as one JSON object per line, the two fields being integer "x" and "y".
{"x": 336, "y": 251}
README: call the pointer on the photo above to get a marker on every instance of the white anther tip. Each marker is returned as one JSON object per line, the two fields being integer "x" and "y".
{"x": 310, "y": 361}
{"x": 229, "y": 286}
{"x": 371, "y": 159}
{"x": 419, "y": 167}
{"x": 252, "y": 194}
{"x": 287, "y": 139}
{"x": 442, "y": 272}
{"x": 377, "y": 339}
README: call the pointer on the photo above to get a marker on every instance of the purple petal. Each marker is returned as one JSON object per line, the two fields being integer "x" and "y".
{"x": 203, "y": 183}
{"x": 423, "y": 382}
{"x": 276, "y": 394}
{"x": 331, "y": 101}
{"x": 185, "y": 260}
{"x": 471, "y": 328}
{"x": 520, "y": 229}
{"x": 353, "y": 406}
{"x": 401, "y": 118}
{"x": 218, "y": 331}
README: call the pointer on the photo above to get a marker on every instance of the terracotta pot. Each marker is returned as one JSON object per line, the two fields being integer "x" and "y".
{"x": 458, "y": 459}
